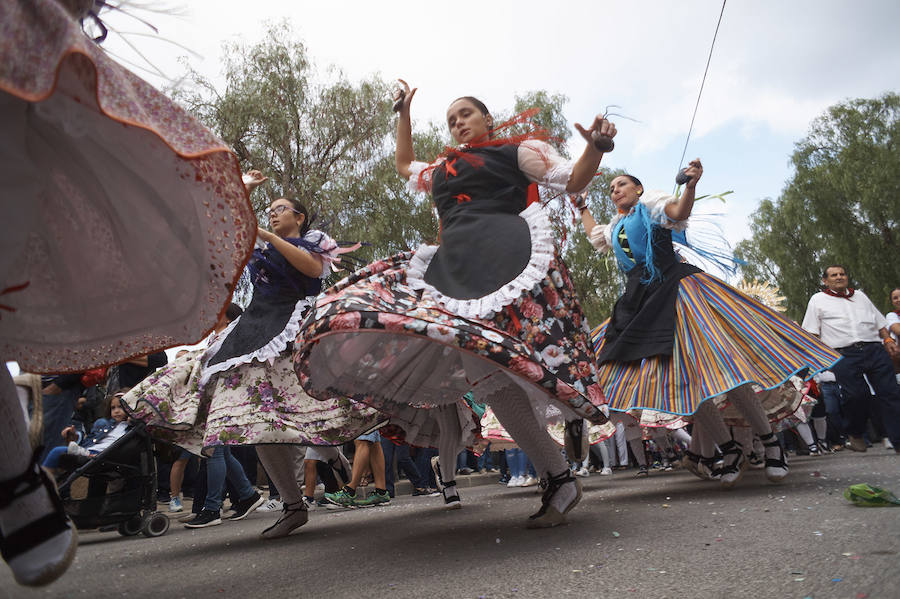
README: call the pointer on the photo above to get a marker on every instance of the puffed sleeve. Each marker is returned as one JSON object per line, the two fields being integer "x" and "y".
{"x": 419, "y": 177}
{"x": 656, "y": 202}
{"x": 319, "y": 243}
{"x": 543, "y": 165}
{"x": 599, "y": 237}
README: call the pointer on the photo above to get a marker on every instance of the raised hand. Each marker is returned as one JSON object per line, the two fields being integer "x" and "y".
{"x": 599, "y": 134}
{"x": 403, "y": 97}
{"x": 694, "y": 170}
{"x": 253, "y": 179}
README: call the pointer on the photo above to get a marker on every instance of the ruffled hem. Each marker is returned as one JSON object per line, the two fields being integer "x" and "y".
{"x": 723, "y": 340}
{"x": 130, "y": 139}
{"x": 269, "y": 351}
{"x": 542, "y": 253}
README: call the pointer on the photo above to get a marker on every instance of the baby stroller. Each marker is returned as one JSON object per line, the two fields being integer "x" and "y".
{"x": 121, "y": 487}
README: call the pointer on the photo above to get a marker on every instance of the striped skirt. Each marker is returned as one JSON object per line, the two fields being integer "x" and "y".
{"x": 723, "y": 339}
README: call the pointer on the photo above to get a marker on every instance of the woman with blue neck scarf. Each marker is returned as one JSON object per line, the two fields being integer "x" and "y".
{"x": 679, "y": 336}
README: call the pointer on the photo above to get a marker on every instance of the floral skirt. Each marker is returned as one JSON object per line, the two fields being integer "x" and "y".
{"x": 723, "y": 339}
{"x": 157, "y": 225}
{"x": 254, "y": 403}
{"x": 378, "y": 341}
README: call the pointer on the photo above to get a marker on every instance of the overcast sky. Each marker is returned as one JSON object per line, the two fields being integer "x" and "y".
{"x": 776, "y": 66}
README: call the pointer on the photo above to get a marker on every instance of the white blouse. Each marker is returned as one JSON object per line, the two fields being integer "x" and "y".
{"x": 656, "y": 202}
{"x": 538, "y": 161}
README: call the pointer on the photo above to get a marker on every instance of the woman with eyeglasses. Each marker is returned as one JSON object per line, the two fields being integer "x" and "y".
{"x": 243, "y": 390}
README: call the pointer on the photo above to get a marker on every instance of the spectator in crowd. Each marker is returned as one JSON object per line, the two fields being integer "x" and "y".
{"x": 846, "y": 320}
{"x": 131, "y": 372}
{"x": 368, "y": 456}
{"x": 893, "y": 322}
{"x": 60, "y": 399}
{"x": 404, "y": 464}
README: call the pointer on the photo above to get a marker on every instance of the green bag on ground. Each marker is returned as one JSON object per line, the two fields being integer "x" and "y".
{"x": 866, "y": 495}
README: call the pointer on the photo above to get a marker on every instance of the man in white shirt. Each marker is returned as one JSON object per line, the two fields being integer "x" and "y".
{"x": 846, "y": 320}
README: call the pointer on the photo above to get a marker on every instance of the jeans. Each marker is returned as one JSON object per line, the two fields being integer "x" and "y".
{"x": 519, "y": 464}
{"x": 831, "y": 397}
{"x": 423, "y": 465}
{"x": 872, "y": 361}
{"x": 58, "y": 411}
{"x": 485, "y": 462}
{"x": 219, "y": 466}
{"x": 404, "y": 463}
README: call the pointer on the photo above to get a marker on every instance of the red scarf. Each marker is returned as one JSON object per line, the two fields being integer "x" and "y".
{"x": 846, "y": 296}
{"x": 522, "y": 121}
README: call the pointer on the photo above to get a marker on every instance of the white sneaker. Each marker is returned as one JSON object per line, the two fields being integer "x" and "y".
{"x": 582, "y": 472}
{"x": 272, "y": 505}
{"x": 76, "y": 449}
{"x": 529, "y": 481}
{"x": 888, "y": 444}
{"x": 606, "y": 471}
{"x": 515, "y": 481}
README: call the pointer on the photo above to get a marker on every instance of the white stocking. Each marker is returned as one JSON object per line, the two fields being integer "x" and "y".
{"x": 449, "y": 442}
{"x": 514, "y": 411}
{"x": 281, "y": 463}
{"x": 821, "y": 426}
{"x": 745, "y": 401}
{"x": 805, "y": 434}
{"x": 709, "y": 419}
{"x": 16, "y": 452}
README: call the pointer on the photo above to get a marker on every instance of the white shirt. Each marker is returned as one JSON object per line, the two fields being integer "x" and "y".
{"x": 891, "y": 318}
{"x": 841, "y": 321}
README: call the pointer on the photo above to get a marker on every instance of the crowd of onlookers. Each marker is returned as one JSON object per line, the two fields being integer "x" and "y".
{"x": 857, "y": 407}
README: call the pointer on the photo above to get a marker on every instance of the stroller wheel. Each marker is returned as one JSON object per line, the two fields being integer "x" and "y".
{"x": 131, "y": 527}
{"x": 155, "y": 525}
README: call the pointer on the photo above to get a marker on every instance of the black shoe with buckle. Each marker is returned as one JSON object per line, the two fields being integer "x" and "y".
{"x": 777, "y": 467}
{"x": 451, "y": 500}
{"x": 548, "y": 515}
{"x": 733, "y": 464}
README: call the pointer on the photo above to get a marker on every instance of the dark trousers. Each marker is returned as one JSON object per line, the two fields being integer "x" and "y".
{"x": 830, "y": 393}
{"x": 404, "y": 463}
{"x": 423, "y": 465}
{"x": 872, "y": 361}
{"x": 58, "y": 411}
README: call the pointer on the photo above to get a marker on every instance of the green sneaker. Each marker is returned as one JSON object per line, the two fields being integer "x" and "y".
{"x": 374, "y": 498}
{"x": 340, "y": 499}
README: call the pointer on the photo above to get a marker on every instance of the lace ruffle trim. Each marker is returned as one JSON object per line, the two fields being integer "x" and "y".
{"x": 542, "y": 253}
{"x": 269, "y": 351}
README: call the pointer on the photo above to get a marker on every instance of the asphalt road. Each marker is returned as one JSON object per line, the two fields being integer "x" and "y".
{"x": 669, "y": 535}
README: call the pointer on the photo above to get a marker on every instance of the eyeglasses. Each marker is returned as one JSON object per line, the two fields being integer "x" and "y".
{"x": 279, "y": 210}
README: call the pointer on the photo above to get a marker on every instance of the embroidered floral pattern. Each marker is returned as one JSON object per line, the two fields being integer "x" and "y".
{"x": 251, "y": 404}
{"x": 516, "y": 339}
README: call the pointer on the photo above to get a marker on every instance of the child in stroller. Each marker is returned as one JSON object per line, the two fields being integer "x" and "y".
{"x": 117, "y": 461}
{"x": 103, "y": 434}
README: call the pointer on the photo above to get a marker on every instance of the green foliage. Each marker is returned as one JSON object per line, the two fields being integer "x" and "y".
{"x": 842, "y": 206}
{"x": 330, "y": 143}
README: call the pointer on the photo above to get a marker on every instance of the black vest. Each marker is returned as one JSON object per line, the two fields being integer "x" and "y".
{"x": 484, "y": 242}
